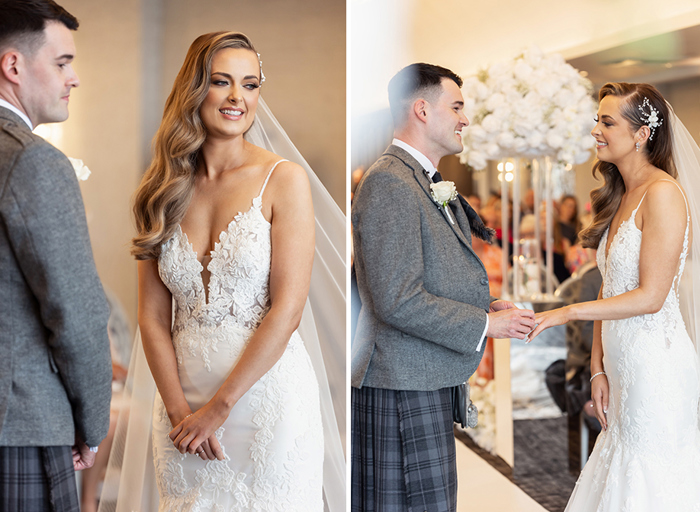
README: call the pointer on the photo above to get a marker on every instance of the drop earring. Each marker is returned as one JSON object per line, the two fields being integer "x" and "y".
{"x": 636, "y": 145}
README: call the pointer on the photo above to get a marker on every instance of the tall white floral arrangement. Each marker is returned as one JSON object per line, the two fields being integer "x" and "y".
{"x": 533, "y": 106}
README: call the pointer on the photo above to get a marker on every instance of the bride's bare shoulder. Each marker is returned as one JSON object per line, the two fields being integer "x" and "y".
{"x": 666, "y": 197}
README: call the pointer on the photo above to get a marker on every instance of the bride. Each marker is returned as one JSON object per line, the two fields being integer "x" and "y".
{"x": 644, "y": 366}
{"x": 225, "y": 246}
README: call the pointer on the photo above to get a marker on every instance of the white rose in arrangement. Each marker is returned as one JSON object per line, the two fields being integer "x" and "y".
{"x": 493, "y": 150}
{"x": 477, "y": 133}
{"x": 495, "y": 101}
{"x": 505, "y": 140}
{"x": 554, "y": 139}
{"x": 491, "y": 124}
{"x": 81, "y": 170}
{"x": 475, "y": 160}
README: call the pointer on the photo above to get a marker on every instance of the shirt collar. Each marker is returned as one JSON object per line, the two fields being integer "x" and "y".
{"x": 420, "y": 157}
{"x": 10, "y": 106}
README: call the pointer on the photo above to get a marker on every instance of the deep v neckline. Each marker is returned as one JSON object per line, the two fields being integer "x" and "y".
{"x": 256, "y": 205}
{"x": 610, "y": 241}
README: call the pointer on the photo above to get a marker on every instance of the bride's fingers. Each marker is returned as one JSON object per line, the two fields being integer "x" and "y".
{"x": 208, "y": 454}
{"x": 535, "y": 332}
{"x": 183, "y": 441}
{"x": 175, "y": 432}
{"x": 216, "y": 448}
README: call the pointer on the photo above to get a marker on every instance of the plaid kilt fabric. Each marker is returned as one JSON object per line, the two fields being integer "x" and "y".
{"x": 403, "y": 451}
{"x": 37, "y": 479}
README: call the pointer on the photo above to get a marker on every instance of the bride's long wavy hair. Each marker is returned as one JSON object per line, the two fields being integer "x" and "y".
{"x": 605, "y": 200}
{"x": 166, "y": 189}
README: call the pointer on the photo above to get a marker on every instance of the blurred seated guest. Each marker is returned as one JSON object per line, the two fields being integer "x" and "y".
{"x": 569, "y": 381}
{"x": 490, "y": 255}
{"x": 587, "y": 217}
{"x": 577, "y": 256}
{"x": 560, "y": 246}
{"x": 569, "y": 223}
{"x": 475, "y": 202}
{"x": 499, "y": 229}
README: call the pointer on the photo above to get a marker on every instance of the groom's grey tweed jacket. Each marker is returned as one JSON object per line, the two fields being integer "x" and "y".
{"x": 55, "y": 368}
{"x": 424, "y": 292}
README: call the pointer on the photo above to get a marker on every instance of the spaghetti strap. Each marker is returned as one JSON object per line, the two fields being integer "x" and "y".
{"x": 640, "y": 202}
{"x": 268, "y": 177}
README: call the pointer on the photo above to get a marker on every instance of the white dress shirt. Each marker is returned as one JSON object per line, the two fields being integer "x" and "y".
{"x": 10, "y": 106}
{"x": 431, "y": 170}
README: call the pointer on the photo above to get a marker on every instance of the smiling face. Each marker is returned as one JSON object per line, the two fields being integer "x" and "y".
{"x": 614, "y": 135}
{"x": 446, "y": 119}
{"x": 49, "y": 78}
{"x": 228, "y": 109}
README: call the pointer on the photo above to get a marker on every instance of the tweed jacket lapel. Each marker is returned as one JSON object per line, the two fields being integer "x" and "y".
{"x": 421, "y": 176}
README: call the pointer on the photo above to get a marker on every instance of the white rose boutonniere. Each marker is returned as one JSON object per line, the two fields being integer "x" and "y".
{"x": 442, "y": 193}
{"x": 81, "y": 170}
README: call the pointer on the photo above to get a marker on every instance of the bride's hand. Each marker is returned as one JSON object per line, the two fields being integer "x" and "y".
{"x": 600, "y": 391}
{"x": 548, "y": 319}
{"x": 198, "y": 430}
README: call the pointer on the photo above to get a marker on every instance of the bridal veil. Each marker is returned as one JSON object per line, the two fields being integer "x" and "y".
{"x": 130, "y": 484}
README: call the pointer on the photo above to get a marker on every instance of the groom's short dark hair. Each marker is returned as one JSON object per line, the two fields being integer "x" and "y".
{"x": 413, "y": 81}
{"x": 22, "y": 23}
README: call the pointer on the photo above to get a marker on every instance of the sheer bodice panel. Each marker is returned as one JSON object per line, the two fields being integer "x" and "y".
{"x": 239, "y": 274}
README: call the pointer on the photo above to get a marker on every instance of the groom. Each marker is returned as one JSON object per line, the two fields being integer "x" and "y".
{"x": 55, "y": 369}
{"x": 426, "y": 309}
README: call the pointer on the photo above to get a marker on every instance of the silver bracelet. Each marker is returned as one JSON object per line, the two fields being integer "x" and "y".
{"x": 599, "y": 373}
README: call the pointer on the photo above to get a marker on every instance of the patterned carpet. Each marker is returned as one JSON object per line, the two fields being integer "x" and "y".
{"x": 541, "y": 461}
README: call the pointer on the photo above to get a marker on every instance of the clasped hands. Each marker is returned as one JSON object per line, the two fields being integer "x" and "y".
{"x": 195, "y": 432}
{"x": 506, "y": 320}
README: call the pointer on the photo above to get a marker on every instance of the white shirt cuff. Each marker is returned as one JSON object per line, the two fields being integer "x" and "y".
{"x": 483, "y": 335}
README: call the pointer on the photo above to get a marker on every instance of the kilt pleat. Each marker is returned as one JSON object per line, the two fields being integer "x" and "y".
{"x": 37, "y": 478}
{"x": 403, "y": 451}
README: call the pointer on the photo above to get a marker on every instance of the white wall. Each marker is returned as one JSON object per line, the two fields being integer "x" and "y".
{"x": 465, "y": 35}
{"x": 104, "y": 130}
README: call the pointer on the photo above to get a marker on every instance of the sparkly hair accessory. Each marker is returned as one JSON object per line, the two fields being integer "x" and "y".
{"x": 262, "y": 75}
{"x": 652, "y": 118}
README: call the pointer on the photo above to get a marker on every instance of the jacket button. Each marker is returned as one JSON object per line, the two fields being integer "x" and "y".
{"x": 484, "y": 281}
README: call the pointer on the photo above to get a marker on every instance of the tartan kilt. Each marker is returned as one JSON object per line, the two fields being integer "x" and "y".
{"x": 37, "y": 479}
{"x": 403, "y": 451}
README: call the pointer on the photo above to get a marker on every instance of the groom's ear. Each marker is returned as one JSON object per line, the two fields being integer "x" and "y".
{"x": 10, "y": 62}
{"x": 420, "y": 109}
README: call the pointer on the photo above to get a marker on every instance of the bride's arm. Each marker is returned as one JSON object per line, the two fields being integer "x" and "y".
{"x": 599, "y": 385}
{"x": 154, "y": 317}
{"x": 663, "y": 227}
{"x": 292, "y": 236}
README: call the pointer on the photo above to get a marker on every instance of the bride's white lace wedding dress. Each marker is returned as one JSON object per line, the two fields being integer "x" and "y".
{"x": 649, "y": 458}
{"x": 273, "y": 438}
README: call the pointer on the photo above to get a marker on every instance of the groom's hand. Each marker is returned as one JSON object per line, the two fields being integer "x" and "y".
{"x": 83, "y": 457}
{"x": 500, "y": 305}
{"x": 507, "y": 321}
